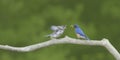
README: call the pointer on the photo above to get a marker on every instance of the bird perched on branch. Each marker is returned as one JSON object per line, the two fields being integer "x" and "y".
{"x": 57, "y": 31}
{"x": 79, "y": 33}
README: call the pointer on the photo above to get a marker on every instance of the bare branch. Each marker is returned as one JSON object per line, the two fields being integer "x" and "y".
{"x": 105, "y": 43}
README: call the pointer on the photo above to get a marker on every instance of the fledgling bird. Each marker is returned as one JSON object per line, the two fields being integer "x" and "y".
{"x": 79, "y": 33}
{"x": 57, "y": 31}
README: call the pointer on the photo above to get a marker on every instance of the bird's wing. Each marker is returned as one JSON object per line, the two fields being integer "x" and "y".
{"x": 57, "y": 31}
{"x": 79, "y": 31}
{"x": 54, "y": 28}
{"x": 62, "y": 27}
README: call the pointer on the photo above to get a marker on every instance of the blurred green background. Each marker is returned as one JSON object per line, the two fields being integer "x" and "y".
{"x": 26, "y": 22}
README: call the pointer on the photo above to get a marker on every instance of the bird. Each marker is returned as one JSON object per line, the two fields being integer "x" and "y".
{"x": 57, "y": 31}
{"x": 79, "y": 33}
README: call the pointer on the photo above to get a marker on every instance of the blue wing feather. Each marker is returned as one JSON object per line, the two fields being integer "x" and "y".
{"x": 79, "y": 31}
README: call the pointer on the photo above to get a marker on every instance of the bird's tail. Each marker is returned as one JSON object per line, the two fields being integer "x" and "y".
{"x": 87, "y": 37}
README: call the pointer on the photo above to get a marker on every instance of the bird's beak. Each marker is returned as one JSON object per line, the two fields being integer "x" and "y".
{"x": 71, "y": 26}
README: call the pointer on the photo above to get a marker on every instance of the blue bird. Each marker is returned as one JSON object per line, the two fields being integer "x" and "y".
{"x": 79, "y": 32}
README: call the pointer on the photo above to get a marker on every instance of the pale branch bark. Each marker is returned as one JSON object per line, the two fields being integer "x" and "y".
{"x": 104, "y": 42}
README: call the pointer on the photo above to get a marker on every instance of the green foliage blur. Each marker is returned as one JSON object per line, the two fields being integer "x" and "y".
{"x": 26, "y": 22}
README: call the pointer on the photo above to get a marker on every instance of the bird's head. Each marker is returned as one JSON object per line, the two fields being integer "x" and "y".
{"x": 76, "y": 26}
